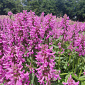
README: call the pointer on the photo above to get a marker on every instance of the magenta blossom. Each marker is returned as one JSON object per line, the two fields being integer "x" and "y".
{"x": 84, "y": 72}
{"x": 10, "y": 13}
{"x": 70, "y": 81}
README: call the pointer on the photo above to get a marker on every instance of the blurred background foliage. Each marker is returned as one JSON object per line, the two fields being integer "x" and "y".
{"x": 75, "y": 9}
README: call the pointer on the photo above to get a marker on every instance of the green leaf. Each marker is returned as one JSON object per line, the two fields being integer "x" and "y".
{"x": 59, "y": 38}
{"x": 33, "y": 76}
{"x": 63, "y": 74}
{"x": 74, "y": 76}
{"x": 83, "y": 83}
{"x": 1, "y": 84}
{"x": 81, "y": 79}
{"x": 67, "y": 76}
{"x": 55, "y": 46}
{"x": 26, "y": 52}
{"x": 58, "y": 57}
{"x": 82, "y": 76}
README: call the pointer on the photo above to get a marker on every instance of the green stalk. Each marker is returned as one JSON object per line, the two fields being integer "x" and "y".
{"x": 78, "y": 63}
{"x": 73, "y": 66}
{"x": 59, "y": 62}
{"x": 80, "y": 72}
{"x": 69, "y": 59}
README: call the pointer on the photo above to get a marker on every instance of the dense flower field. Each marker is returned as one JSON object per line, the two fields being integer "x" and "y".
{"x": 39, "y": 50}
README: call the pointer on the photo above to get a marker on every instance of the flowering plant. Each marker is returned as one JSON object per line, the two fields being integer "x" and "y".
{"x": 39, "y": 50}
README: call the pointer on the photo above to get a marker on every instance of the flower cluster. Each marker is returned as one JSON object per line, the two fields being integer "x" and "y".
{"x": 45, "y": 63}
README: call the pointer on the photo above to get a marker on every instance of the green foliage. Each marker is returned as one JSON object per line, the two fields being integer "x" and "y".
{"x": 70, "y": 7}
{"x": 47, "y": 6}
{"x": 66, "y": 63}
{"x": 58, "y": 7}
{"x": 10, "y": 5}
{"x": 80, "y": 9}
